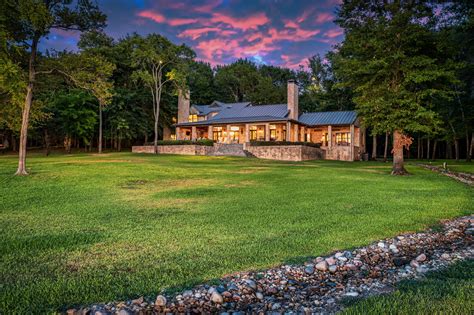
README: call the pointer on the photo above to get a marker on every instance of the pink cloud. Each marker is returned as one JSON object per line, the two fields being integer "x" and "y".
{"x": 289, "y": 61}
{"x": 323, "y": 18}
{"x": 148, "y": 14}
{"x": 179, "y": 21}
{"x": 335, "y": 32}
{"x": 245, "y": 23}
{"x": 207, "y": 6}
{"x": 198, "y": 32}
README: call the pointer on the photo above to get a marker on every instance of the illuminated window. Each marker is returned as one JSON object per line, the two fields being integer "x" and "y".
{"x": 343, "y": 138}
{"x": 253, "y": 133}
{"x": 324, "y": 139}
{"x": 193, "y": 118}
{"x": 217, "y": 134}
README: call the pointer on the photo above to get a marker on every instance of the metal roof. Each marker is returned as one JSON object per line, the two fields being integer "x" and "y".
{"x": 328, "y": 118}
{"x": 217, "y": 106}
{"x": 249, "y": 111}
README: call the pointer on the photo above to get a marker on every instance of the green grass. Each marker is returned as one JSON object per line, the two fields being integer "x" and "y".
{"x": 450, "y": 291}
{"x": 87, "y": 228}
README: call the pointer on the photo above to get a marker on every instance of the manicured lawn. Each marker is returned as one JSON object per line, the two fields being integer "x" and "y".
{"x": 89, "y": 228}
{"x": 453, "y": 165}
{"x": 450, "y": 291}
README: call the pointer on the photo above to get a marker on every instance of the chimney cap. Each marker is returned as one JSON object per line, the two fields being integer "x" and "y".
{"x": 291, "y": 81}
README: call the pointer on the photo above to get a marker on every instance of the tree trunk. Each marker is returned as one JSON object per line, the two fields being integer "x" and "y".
{"x": 422, "y": 150}
{"x": 26, "y": 109}
{"x": 120, "y": 141}
{"x": 434, "y": 150}
{"x": 456, "y": 149}
{"x": 386, "y": 147}
{"x": 100, "y": 128}
{"x": 471, "y": 149}
{"x": 428, "y": 144}
{"x": 398, "y": 163}
{"x": 46, "y": 141}
{"x": 67, "y": 144}
{"x": 468, "y": 147}
{"x": 419, "y": 149}
{"x": 374, "y": 147}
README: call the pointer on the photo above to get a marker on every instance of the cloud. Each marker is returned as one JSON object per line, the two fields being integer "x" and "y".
{"x": 198, "y": 32}
{"x": 335, "y": 32}
{"x": 323, "y": 18}
{"x": 244, "y": 23}
{"x": 155, "y": 16}
{"x": 293, "y": 61}
{"x": 180, "y": 21}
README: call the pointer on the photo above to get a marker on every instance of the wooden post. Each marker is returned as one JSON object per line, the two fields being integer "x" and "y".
{"x": 247, "y": 133}
{"x": 267, "y": 132}
{"x": 288, "y": 131}
{"x": 193, "y": 133}
{"x": 178, "y": 133}
{"x": 330, "y": 136}
{"x": 209, "y": 133}
{"x": 352, "y": 143}
{"x": 296, "y": 135}
{"x": 302, "y": 137}
{"x": 228, "y": 133}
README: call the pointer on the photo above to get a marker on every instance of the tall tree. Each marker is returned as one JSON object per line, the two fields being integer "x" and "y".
{"x": 389, "y": 58}
{"x": 28, "y": 21}
{"x": 160, "y": 62}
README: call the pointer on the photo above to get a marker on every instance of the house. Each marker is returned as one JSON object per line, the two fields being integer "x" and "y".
{"x": 339, "y": 133}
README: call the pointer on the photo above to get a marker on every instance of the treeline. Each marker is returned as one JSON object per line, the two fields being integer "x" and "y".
{"x": 406, "y": 67}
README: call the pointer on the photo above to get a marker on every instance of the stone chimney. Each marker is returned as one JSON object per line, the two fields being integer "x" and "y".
{"x": 183, "y": 106}
{"x": 293, "y": 99}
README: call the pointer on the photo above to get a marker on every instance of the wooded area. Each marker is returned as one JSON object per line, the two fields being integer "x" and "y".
{"x": 406, "y": 68}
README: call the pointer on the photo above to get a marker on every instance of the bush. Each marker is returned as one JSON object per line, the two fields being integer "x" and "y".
{"x": 270, "y": 143}
{"x": 205, "y": 142}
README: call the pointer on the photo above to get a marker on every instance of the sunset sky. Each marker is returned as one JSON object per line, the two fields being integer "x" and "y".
{"x": 276, "y": 32}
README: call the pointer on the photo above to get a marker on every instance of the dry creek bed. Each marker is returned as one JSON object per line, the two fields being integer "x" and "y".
{"x": 317, "y": 286}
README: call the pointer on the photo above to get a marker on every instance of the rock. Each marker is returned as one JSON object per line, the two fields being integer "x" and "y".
{"x": 322, "y": 266}
{"x": 276, "y": 306}
{"x": 342, "y": 258}
{"x": 71, "y": 311}
{"x": 160, "y": 300}
{"x": 414, "y": 264}
{"x": 352, "y": 294}
{"x": 124, "y": 312}
{"x": 445, "y": 256}
{"x": 338, "y": 254}
{"x": 470, "y": 231}
{"x": 392, "y": 247}
{"x": 217, "y": 298}
{"x": 331, "y": 261}
{"x": 330, "y": 301}
{"x": 381, "y": 244}
{"x": 211, "y": 290}
{"x": 251, "y": 284}
{"x": 138, "y": 301}
{"x": 309, "y": 269}
{"x": 332, "y": 268}
{"x": 350, "y": 267}
{"x": 259, "y": 296}
{"x": 422, "y": 269}
{"x": 187, "y": 293}
{"x": 421, "y": 258}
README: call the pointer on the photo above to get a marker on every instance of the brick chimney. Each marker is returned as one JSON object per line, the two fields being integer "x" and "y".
{"x": 183, "y": 107}
{"x": 293, "y": 99}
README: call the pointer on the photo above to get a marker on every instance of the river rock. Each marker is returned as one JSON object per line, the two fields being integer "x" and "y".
{"x": 322, "y": 266}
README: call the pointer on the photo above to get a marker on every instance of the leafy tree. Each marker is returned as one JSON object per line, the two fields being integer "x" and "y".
{"x": 201, "y": 83}
{"x": 160, "y": 62}
{"x": 389, "y": 58}
{"x": 26, "y": 22}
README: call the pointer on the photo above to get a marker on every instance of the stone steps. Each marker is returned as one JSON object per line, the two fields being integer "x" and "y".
{"x": 222, "y": 149}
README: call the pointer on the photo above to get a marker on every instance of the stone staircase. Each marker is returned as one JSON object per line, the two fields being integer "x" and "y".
{"x": 222, "y": 149}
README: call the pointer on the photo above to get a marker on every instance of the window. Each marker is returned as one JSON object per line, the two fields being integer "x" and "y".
{"x": 324, "y": 139}
{"x": 343, "y": 138}
{"x": 217, "y": 134}
{"x": 193, "y": 118}
{"x": 253, "y": 133}
{"x": 273, "y": 133}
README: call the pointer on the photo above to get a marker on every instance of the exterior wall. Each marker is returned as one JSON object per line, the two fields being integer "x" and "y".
{"x": 186, "y": 149}
{"x": 183, "y": 107}
{"x": 341, "y": 153}
{"x": 286, "y": 152}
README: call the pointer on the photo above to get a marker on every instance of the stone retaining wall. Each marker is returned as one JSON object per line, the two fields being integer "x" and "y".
{"x": 286, "y": 152}
{"x": 185, "y": 149}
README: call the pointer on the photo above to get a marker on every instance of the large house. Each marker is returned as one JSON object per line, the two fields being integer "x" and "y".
{"x": 338, "y": 133}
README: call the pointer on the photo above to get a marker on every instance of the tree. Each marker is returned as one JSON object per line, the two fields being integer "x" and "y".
{"x": 389, "y": 59}
{"x": 91, "y": 73}
{"x": 27, "y": 22}
{"x": 160, "y": 62}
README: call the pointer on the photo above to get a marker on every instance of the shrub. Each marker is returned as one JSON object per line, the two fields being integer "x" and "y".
{"x": 271, "y": 143}
{"x": 205, "y": 142}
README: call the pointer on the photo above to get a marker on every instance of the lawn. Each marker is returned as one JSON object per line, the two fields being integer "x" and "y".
{"x": 453, "y": 165}
{"x": 88, "y": 228}
{"x": 449, "y": 291}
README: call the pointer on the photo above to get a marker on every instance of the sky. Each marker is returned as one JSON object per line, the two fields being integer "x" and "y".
{"x": 274, "y": 32}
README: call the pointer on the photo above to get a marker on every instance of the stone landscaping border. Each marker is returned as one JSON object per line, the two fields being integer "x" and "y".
{"x": 319, "y": 285}
{"x": 465, "y": 178}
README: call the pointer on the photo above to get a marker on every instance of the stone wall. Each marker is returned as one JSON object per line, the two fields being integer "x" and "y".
{"x": 186, "y": 149}
{"x": 342, "y": 153}
{"x": 286, "y": 152}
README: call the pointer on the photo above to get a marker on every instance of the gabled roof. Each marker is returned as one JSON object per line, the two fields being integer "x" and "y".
{"x": 328, "y": 118}
{"x": 217, "y": 106}
{"x": 251, "y": 111}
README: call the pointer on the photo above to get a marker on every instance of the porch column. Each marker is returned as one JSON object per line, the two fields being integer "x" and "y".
{"x": 288, "y": 131}
{"x": 329, "y": 136}
{"x": 247, "y": 133}
{"x": 178, "y": 133}
{"x": 352, "y": 143}
{"x": 228, "y": 134}
{"x": 193, "y": 133}
{"x": 209, "y": 133}
{"x": 303, "y": 135}
{"x": 296, "y": 135}
{"x": 267, "y": 132}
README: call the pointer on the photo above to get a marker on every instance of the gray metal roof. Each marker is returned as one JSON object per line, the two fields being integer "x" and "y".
{"x": 328, "y": 118}
{"x": 217, "y": 106}
{"x": 277, "y": 111}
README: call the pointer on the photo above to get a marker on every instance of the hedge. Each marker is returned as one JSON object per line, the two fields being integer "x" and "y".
{"x": 271, "y": 143}
{"x": 204, "y": 142}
